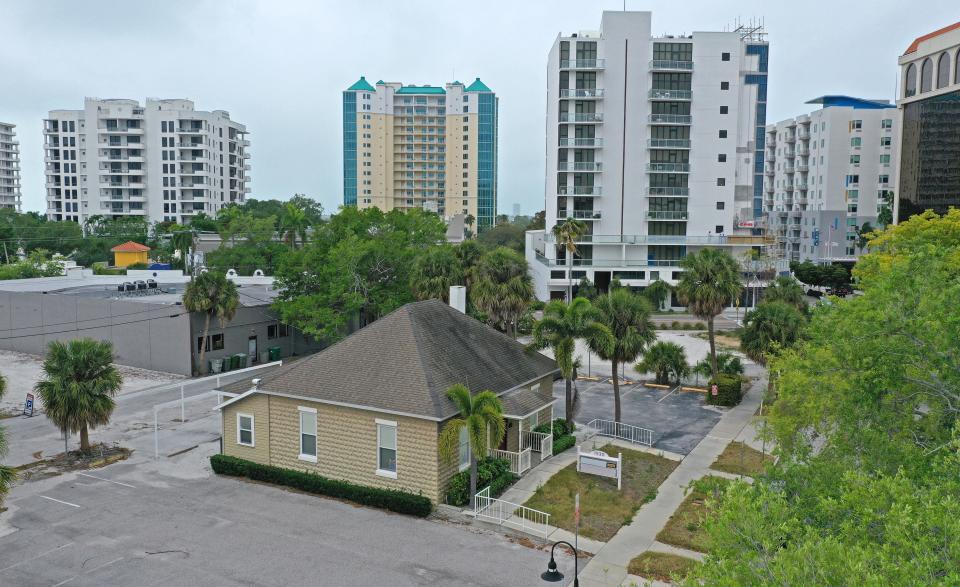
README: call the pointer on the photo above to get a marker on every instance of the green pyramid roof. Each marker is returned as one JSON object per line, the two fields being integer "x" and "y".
{"x": 478, "y": 86}
{"x": 362, "y": 84}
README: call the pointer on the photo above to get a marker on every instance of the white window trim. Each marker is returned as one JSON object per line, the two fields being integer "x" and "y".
{"x": 382, "y": 472}
{"x": 253, "y": 434}
{"x": 465, "y": 466}
{"x": 316, "y": 436}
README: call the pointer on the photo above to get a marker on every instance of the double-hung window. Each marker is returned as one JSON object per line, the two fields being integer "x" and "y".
{"x": 464, "y": 449}
{"x": 387, "y": 448}
{"x": 245, "y": 429}
{"x": 308, "y": 434}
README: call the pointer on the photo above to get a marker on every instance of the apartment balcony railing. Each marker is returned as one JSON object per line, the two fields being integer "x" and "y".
{"x": 668, "y": 143}
{"x": 789, "y": 168}
{"x": 802, "y": 186}
{"x": 581, "y": 117}
{"x": 668, "y": 167}
{"x": 575, "y": 142}
{"x": 803, "y": 152}
{"x": 790, "y": 138}
{"x": 667, "y": 215}
{"x": 583, "y": 64}
{"x": 670, "y": 64}
{"x": 790, "y": 154}
{"x": 581, "y": 93}
{"x": 657, "y": 94}
{"x": 669, "y": 191}
{"x": 769, "y": 170}
{"x": 803, "y": 168}
{"x": 580, "y": 190}
{"x": 579, "y": 166}
{"x": 580, "y": 214}
{"x": 670, "y": 119}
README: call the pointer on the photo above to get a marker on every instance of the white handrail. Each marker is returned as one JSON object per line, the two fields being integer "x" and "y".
{"x": 634, "y": 434}
{"x": 504, "y": 512}
{"x": 519, "y": 461}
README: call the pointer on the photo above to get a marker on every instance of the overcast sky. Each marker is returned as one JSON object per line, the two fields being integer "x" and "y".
{"x": 279, "y": 66}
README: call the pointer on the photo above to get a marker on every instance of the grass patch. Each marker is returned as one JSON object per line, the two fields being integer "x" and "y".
{"x": 740, "y": 459}
{"x": 603, "y": 509}
{"x": 661, "y": 566}
{"x": 685, "y": 526}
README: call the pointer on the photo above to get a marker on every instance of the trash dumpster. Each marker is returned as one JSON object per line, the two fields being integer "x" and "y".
{"x": 216, "y": 365}
{"x": 274, "y": 353}
{"x": 235, "y": 362}
{"x": 242, "y": 361}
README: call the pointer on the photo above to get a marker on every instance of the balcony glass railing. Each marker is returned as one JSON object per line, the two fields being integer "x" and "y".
{"x": 668, "y": 143}
{"x": 667, "y": 215}
{"x": 670, "y": 118}
{"x": 582, "y": 93}
{"x": 657, "y": 94}
{"x": 580, "y": 190}
{"x": 579, "y": 166}
{"x": 592, "y": 142}
{"x": 669, "y": 167}
{"x": 582, "y": 63}
{"x": 671, "y": 64}
{"x": 581, "y": 117}
{"x": 669, "y": 191}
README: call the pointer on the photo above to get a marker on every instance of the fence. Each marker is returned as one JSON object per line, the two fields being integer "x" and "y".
{"x": 538, "y": 442}
{"x": 505, "y": 513}
{"x": 519, "y": 461}
{"x": 612, "y": 429}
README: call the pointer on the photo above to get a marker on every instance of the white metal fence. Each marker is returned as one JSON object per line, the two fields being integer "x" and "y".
{"x": 612, "y": 429}
{"x": 505, "y": 513}
{"x": 538, "y": 442}
{"x": 519, "y": 461}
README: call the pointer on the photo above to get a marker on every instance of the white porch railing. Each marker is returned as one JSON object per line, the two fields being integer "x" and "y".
{"x": 503, "y": 513}
{"x": 538, "y": 442}
{"x": 622, "y": 431}
{"x": 519, "y": 461}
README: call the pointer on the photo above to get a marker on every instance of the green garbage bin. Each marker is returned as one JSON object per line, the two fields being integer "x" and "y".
{"x": 274, "y": 353}
{"x": 242, "y": 361}
{"x": 235, "y": 362}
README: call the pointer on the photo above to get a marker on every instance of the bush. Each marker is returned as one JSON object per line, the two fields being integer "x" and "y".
{"x": 137, "y": 266}
{"x": 101, "y": 270}
{"x": 401, "y": 502}
{"x": 728, "y": 390}
{"x": 675, "y": 325}
{"x": 562, "y": 443}
{"x": 493, "y": 472}
{"x": 559, "y": 427}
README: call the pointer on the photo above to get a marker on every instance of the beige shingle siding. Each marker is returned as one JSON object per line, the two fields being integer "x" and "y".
{"x": 257, "y": 406}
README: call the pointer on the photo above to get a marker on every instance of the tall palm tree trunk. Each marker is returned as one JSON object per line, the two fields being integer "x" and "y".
{"x": 569, "y": 276}
{"x": 473, "y": 479}
{"x": 84, "y": 439}
{"x": 203, "y": 341}
{"x": 713, "y": 346}
{"x": 616, "y": 392}
{"x": 568, "y": 405}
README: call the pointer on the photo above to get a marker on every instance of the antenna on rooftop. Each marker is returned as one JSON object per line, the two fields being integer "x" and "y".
{"x": 752, "y": 30}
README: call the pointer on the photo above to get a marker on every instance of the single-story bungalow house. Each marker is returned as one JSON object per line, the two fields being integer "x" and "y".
{"x": 369, "y": 409}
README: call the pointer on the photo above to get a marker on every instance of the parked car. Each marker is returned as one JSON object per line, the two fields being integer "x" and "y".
{"x": 814, "y": 293}
{"x": 842, "y": 291}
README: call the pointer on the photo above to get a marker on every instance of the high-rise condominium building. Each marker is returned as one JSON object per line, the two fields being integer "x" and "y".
{"x": 828, "y": 173}
{"x": 421, "y": 147}
{"x": 930, "y": 105}
{"x": 165, "y": 160}
{"x": 9, "y": 167}
{"x": 657, "y": 144}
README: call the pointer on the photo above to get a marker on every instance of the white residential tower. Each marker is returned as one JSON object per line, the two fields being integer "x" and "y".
{"x": 9, "y": 167}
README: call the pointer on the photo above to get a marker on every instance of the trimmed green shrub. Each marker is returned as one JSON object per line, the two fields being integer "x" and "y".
{"x": 564, "y": 442}
{"x": 728, "y": 390}
{"x": 137, "y": 266}
{"x": 559, "y": 427}
{"x": 98, "y": 270}
{"x": 393, "y": 500}
{"x": 490, "y": 471}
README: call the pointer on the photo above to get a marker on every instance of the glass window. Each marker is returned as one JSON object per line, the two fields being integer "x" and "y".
{"x": 464, "y": 448}
{"x": 387, "y": 448}
{"x": 308, "y": 434}
{"x": 926, "y": 75}
{"x": 245, "y": 429}
{"x": 724, "y": 57}
{"x": 943, "y": 70}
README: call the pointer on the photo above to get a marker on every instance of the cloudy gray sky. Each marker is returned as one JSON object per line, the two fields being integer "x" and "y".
{"x": 279, "y": 66}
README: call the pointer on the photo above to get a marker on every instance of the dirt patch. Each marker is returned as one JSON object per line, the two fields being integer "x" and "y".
{"x": 100, "y": 455}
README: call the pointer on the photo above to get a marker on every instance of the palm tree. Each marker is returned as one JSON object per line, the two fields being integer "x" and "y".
{"x": 770, "y": 325}
{"x": 7, "y": 474}
{"x": 657, "y": 292}
{"x": 214, "y": 295}
{"x": 78, "y": 385}
{"x": 567, "y": 233}
{"x": 434, "y": 270}
{"x": 469, "y": 220}
{"x": 709, "y": 283}
{"x": 293, "y": 224}
{"x": 562, "y": 324}
{"x": 469, "y": 253}
{"x": 666, "y": 360}
{"x": 480, "y": 414}
{"x": 182, "y": 241}
{"x": 786, "y": 289}
{"x": 727, "y": 363}
{"x": 627, "y": 317}
{"x": 502, "y": 288}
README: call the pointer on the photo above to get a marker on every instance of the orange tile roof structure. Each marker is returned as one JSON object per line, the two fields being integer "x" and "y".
{"x": 916, "y": 42}
{"x": 130, "y": 247}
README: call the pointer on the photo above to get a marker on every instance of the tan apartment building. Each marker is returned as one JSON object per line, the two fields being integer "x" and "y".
{"x": 430, "y": 147}
{"x": 369, "y": 409}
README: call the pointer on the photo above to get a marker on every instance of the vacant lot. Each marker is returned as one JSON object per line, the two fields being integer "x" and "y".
{"x": 740, "y": 459}
{"x": 685, "y": 526}
{"x": 603, "y": 509}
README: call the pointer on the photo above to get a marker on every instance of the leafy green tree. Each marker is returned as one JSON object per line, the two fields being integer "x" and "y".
{"x": 310, "y": 207}
{"x": 657, "y": 293}
{"x": 586, "y": 289}
{"x": 7, "y": 474}
{"x": 216, "y": 297}
{"x": 709, "y": 283}
{"x": 562, "y": 324}
{"x": 200, "y": 222}
{"x": 539, "y": 221}
{"x": 502, "y": 288}
{"x": 627, "y": 318}
{"x": 666, "y": 360}
{"x": 509, "y": 234}
{"x": 78, "y": 385}
{"x": 434, "y": 270}
{"x": 567, "y": 233}
{"x": 482, "y": 417}
{"x": 786, "y": 289}
{"x": 37, "y": 264}
{"x": 771, "y": 325}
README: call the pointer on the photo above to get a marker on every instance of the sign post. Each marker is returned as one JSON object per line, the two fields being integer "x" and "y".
{"x": 713, "y": 389}
{"x": 599, "y": 463}
{"x": 576, "y": 517}
{"x": 28, "y": 406}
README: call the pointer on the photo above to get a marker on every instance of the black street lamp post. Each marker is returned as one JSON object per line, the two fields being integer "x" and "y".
{"x": 552, "y": 574}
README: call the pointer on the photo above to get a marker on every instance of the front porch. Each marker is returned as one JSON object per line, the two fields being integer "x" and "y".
{"x": 522, "y": 447}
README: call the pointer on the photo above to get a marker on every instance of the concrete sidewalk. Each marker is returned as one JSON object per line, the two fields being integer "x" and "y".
{"x": 609, "y": 565}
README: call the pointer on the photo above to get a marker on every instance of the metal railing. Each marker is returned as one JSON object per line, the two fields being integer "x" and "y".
{"x": 668, "y": 143}
{"x": 503, "y": 512}
{"x": 519, "y": 461}
{"x": 581, "y": 142}
{"x": 668, "y": 191}
{"x": 539, "y": 442}
{"x": 579, "y": 166}
{"x": 671, "y": 64}
{"x": 580, "y": 190}
{"x": 671, "y": 118}
{"x": 611, "y": 429}
{"x": 581, "y": 117}
{"x": 669, "y": 167}
{"x": 657, "y": 94}
{"x": 666, "y": 215}
{"x": 582, "y": 63}
{"x": 582, "y": 93}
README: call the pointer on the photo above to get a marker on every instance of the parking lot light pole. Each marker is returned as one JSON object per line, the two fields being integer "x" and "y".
{"x": 552, "y": 574}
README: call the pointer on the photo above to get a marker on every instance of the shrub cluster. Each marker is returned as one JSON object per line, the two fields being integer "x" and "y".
{"x": 677, "y": 325}
{"x": 564, "y": 442}
{"x": 729, "y": 390}
{"x": 490, "y": 471}
{"x": 401, "y": 502}
{"x": 562, "y": 434}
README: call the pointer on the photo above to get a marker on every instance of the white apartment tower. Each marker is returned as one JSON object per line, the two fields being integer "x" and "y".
{"x": 657, "y": 144}
{"x": 827, "y": 174}
{"x": 165, "y": 161}
{"x": 9, "y": 167}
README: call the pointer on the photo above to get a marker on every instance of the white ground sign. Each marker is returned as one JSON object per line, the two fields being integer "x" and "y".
{"x": 597, "y": 462}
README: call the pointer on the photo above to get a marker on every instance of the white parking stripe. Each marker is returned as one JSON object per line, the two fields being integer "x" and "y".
{"x": 73, "y": 505}
{"x": 107, "y": 480}
{"x": 42, "y": 554}
{"x": 672, "y": 391}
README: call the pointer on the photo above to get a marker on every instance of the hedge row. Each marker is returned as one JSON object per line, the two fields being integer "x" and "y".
{"x": 493, "y": 472}
{"x": 728, "y": 390}
{"x": 401, "y": 502}
{"x": 563, "y": 443}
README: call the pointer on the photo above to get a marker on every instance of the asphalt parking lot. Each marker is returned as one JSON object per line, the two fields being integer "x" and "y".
{"x": 173, "y": 523}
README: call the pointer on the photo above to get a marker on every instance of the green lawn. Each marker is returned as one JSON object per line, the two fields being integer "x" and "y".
{"x": 603, "y": 509}
{"x": 661, "y": 566}
{"x": 685, "y": 526}
{"x": 740, "y": 459}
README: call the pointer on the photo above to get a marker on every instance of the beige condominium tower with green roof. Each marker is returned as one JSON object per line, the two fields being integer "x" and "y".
{"x": 430, "y": 147}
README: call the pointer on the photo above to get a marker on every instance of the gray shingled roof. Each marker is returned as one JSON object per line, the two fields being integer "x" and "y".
{"x": 522, "y": 402}
{"x": 405, "y": 362}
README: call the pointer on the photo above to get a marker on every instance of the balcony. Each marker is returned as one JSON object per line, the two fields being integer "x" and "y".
{"x": 581, "y": 117}
{"x": 685, "y": 95}
{"x": 580, "y": 190}
{"x": 583, "y": 64}
{"x": 582, "y": 93}
{"x": 670, "y": 119}
{"x": 790, "y": 138}
{"x": 668, "y": 191}
{"x": 668, "y": 167}
{"x": 769, "y": 170}
{"x": 671, "y": 65}
{"x": 790, "y": 154}
{"x": 655, "y": 239}
{"x": 579, "y": 166}
{"x": 668, "y": 143}
{"x": 803, "y": 152}
{"x": 120, "y": 130}
{"x": 803, "y": 168}
{"x": 802, "y": 186}
{"x": 580, "y": 214}
{"x": 592, "y": 142}
{"x": 667, "y": 215}
{"x": 789, "y": 168}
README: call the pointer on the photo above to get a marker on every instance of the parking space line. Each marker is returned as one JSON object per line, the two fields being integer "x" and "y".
{"x": 672, "y": 391}
{"x": 42, "y": 554}
{"x": 107, "y": 480}
{"x": 73, "y": 505}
